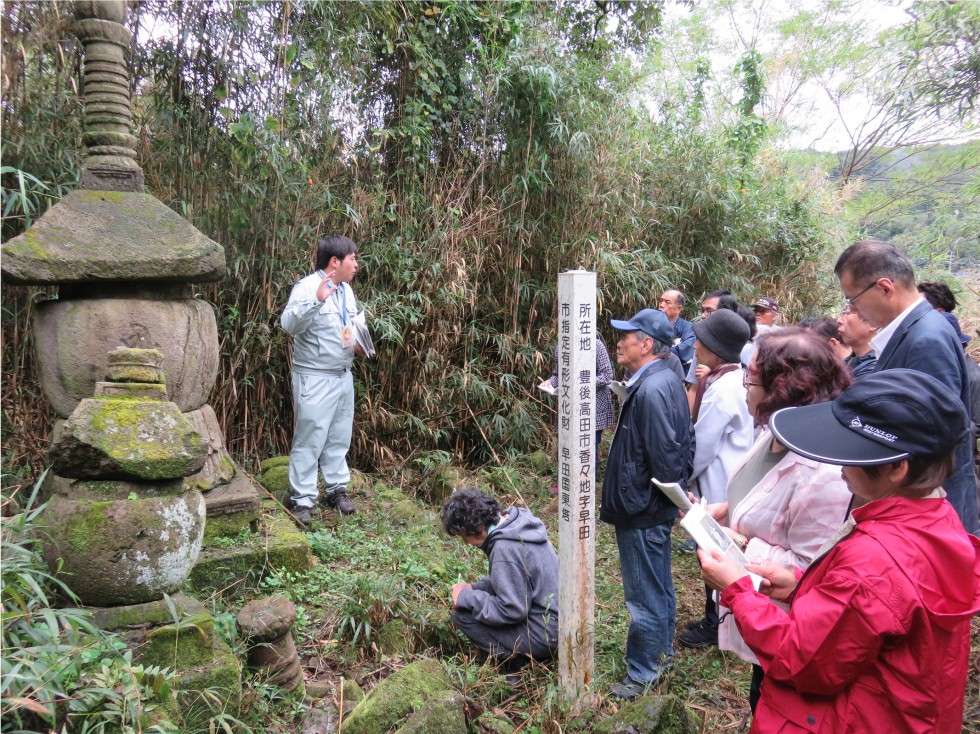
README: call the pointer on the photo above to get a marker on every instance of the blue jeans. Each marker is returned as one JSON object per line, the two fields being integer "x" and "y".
{"x": 644, "y": 557}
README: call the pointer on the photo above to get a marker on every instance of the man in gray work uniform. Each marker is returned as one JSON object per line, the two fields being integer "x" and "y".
{"x": 319, "y": 317}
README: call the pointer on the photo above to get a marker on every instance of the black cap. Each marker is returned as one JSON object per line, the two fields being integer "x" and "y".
{"x": 724, "y": 333}
{"x": 886, "y": 416}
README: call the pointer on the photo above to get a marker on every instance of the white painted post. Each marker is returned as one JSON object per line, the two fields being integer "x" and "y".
{"x": 576, "y": 481}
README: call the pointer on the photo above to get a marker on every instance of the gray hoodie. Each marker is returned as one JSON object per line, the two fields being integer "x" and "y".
{"x": 523, "y": 581}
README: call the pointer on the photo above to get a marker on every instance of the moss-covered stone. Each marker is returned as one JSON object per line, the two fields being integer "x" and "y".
{"x": 495, "y": 724}
{"x": 651, "y": 715}
{"x": 273, "y": 461}
{"x": 143, "y": 615}
{"x": 182, "y": 645}
{"x": 125, "y": 551}
{"x": 223, "y": 527}
{"x": 395, "y": 638}
{"x": 276, "y": 480}
{"x": 443, "y": 483}
{"x": 351, "y": 693}
{"x": 541, "y": 462}
{"x": 117, "y": 438}
{"x": 438, "y": 631}
{"x": 444, "y": 713}
{"x": 403, "y": 693}
{"x": 205, "y": 692}
{"x": 279, "y": 546}
{"x": 104, "y": 236}
{"x": 407, "y": 512}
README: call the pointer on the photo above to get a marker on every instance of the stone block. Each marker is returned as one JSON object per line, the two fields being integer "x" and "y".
{"x": 181, "y": 645}
{"x": 218, "y": 466}
{"x": 124, "y": 551}
{"x": 403, "y": 693}
{"x": 396, "y": 638}
{"x": 150, "y": 613}
{"x": 73, "y": 338}
{"x": 279, "y": 546}
{"x": 276, "y": 480}
{"x": 444, "y": 713}
{"x": 93, "y": 236}
{"x": 232, "y": 509}
{"x": 273, "y": 461}
{"x": 127, "y": 439}
{"x": 651, "y": 715}
{"x": 212, "y": 689}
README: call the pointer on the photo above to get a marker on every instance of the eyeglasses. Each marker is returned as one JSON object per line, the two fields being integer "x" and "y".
{"x": 849, "y": 302}
{"x": 707, "y": 310}
{"x": 745, "y": 380}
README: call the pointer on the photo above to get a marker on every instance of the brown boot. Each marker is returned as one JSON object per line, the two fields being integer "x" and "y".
{"x": 341, "y": 502}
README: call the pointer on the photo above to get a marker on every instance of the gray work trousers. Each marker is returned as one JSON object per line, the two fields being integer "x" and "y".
{"x": 323, "y": 405}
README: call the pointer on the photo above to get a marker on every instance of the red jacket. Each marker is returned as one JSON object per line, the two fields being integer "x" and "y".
{"x": 878, "y": 635}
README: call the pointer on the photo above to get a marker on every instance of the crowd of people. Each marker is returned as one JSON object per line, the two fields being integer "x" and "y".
{"x": 838, "y": 453}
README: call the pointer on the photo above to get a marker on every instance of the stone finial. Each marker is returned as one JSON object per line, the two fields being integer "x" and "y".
{"x": 266, "y": 626}
{"x": 110, "y": 164}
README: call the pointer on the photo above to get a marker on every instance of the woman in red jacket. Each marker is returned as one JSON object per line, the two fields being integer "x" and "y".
{"x": 877, "y": 638}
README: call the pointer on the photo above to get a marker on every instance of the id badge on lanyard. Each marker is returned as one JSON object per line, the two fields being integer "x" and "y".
{"x": 346, "y": 332}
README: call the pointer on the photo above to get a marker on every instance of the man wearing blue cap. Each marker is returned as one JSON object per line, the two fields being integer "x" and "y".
{"x": 654, "y": 439}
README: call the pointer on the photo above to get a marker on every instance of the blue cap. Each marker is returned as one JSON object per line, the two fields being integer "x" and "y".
{"x": 885, "y": 416}
{"x": 955, "y": 323}
{"x": 651, "y": 322}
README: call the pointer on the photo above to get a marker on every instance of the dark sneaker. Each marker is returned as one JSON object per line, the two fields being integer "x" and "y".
{"x": 704, "y": 634}
{"x": 688, "y": 547}
{"x": 302, "y": 515}
{"x": 341, "y": 502}
{"x": 695, "y": 623}
{"x": 628, "y": 689}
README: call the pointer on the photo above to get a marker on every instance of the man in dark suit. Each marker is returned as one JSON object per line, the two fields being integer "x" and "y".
{"x": 879, "y": 285}
{"x": 672, "y": 304}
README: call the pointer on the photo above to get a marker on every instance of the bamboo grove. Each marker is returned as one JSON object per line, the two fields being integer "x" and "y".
{"x": 473, "y": 150}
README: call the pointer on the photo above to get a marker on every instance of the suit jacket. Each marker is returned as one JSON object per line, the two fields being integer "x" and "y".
{"x": 684, "y": 349}
{"x": 925, "y": 342}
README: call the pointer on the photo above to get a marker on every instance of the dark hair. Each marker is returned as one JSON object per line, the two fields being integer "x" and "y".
{"x": 796, "y": 367}
{"x": 939, "y": 296}
{"x": 469, "y": 512}
{"x": 868, "y": 260}
{"x": 333, "y": 246}
{"x": 925, "y": 473}
{"x": 725, "y": 299}
{"x": 823, "y": 326}
{"x": 748, "y": 315}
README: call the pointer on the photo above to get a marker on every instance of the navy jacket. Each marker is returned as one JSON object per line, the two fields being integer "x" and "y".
{"x": 654, "y": 438}
{"x": 926, "y": 342}
{"x": 684, "y": 349}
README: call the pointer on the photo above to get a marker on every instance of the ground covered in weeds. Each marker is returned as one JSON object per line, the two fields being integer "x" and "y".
{"x": 378, "y": 597}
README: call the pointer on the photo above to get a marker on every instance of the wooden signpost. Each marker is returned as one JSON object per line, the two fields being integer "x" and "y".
{"x": 576, "y": 481}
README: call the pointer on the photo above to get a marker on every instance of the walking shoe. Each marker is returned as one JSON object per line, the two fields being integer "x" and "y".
{"x": 695, "y": 623}
{"x": 628, "y": 689}
{"x": 302, "y": 515}
{"x": 688, "y": 547}
{"x": 341, "y": 502}
{"x": 704, "y": 634}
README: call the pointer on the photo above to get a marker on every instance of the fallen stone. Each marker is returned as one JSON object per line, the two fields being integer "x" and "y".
{"x": 404, "y": 692}
{"x": 444, "y": 713}
{"x": 651, "y": 715}
{"x": 319, "y": 719}
{"x": 319, "y": 688}
{"x": 218, "y": 469}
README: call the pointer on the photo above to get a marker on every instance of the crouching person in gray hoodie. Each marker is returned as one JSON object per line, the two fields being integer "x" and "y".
{"x": 513, "y": 612}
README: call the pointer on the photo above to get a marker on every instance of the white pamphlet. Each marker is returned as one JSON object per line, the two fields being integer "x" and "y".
{"x": 705, "y": 530}
{"x": 618, "y": 388}
{"x": 547, "y": 387}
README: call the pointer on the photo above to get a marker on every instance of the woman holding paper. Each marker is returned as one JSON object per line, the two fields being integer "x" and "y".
{"x": 878, "y": 635}
{"x": 782, "y": 507}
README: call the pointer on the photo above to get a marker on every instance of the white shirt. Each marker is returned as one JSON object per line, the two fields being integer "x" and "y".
{"x": 880, "y": 340}
{"x": 724, "y": 435}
